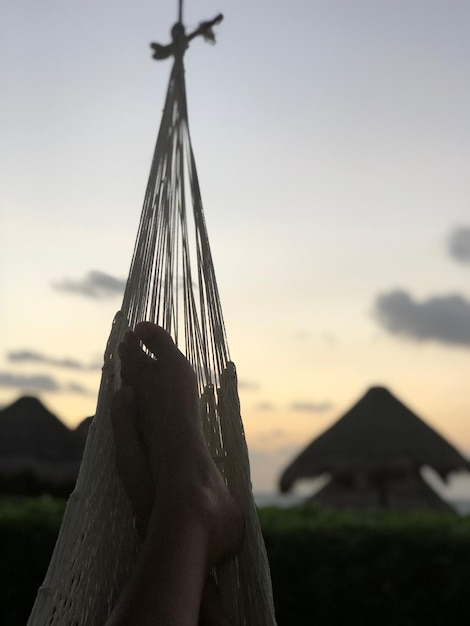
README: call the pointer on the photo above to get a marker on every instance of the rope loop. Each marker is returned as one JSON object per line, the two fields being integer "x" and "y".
{"x": 180, "y": 42}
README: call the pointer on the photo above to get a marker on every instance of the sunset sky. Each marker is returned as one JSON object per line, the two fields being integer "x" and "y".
{"x": 333, "y": 147}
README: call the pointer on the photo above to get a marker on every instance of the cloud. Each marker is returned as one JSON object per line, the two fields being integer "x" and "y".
{"x": 459, "y": 244}
{"x": 311, "y": 407}
{"x": 272, "y": 438}
{"x": 77, "y": 388}
{"x": 28, "y": 356}
{"x": 39, "y": 382}
{"x": 306, "y": 407}
{"x": 95, "y": 284}
{"x": 264, "y": 406}
{"x": 326, "y": 336}
{"x": 330, "y": 338}
{"x": 19, "y": 381}
{"x": 445, "y": 319}
{"x": 269, "y": 454}
{"x": 247, "y": 385}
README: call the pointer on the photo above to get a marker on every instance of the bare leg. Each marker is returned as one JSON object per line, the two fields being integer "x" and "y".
{"x": 190, "y": 518}
{"x": 134, "y": 470}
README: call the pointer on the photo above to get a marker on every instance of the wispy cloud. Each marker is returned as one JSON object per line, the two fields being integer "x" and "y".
{"x": 273, "y": 437}
{"x": 77, "y": 388}
{"x": 459, "y": 244}
{"x": 445, "y": 319}
{"x": 247, "y": 385}
{"x": 269, "y": 453}
{"x": 330, "y": 338}
{"x": 326, "y": 336}
{"x": 20, "y": 381}
{"x": 302, "y": 335}
{"x": 39, "y": 382}
{"x": 264, "y": 406}
{"x": 311, "y": 407}
{"x": 28, "y": 356}
{"x": 96, "y": 285}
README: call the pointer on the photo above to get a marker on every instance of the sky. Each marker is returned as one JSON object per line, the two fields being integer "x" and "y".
{"x": 332, "y": 140}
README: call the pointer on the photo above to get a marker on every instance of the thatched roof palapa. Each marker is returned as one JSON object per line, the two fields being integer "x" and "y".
{"x": 35, "y": 442}
{"x": 378, "y": 439}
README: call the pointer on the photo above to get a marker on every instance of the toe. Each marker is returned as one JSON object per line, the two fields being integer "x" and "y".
{"x": 133, "y": 359}
{"x": 157, "y": 340}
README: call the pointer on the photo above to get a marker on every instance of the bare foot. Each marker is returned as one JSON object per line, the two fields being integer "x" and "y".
{"x": 131, "y": 457}
{"x": 134, "y": 470}
{"x": 161, "y": 452}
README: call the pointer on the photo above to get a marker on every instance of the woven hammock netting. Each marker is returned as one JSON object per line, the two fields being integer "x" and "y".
{"x": 172, "y": 283}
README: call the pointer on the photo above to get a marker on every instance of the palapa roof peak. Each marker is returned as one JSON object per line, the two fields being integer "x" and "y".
{"x": 28, "y": 429}
{"x": 378, "y": 435}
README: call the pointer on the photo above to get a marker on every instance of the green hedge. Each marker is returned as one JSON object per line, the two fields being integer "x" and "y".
{"x": 28, "y": 531}
{"x": 359, "y": 569}
{"x": 328, "y": 569}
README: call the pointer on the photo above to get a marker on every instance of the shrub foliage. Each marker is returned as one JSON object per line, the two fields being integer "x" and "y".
{"x": 28, "y": 531}
{"x": 328, "y": 568}
{"x": 387, "y": 569}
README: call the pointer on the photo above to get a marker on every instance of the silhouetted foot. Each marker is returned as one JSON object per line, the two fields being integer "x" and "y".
{"x": 131, "y": 457}
{"x": 161, "y": 453}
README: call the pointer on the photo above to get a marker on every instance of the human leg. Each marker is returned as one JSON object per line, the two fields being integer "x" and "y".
{"x": 192, "y": 521}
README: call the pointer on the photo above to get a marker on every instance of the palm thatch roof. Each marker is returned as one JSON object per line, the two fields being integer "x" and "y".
{"x": 35, "y": 442}
{"x": 378, "y": 436}
{"x": 405, "y": 493}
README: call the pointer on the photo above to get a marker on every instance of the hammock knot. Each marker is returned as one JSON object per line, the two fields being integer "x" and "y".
{"x": 181, "y": 41}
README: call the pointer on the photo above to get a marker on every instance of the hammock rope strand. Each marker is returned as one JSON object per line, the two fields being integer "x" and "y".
{"x": 172, "y": 283}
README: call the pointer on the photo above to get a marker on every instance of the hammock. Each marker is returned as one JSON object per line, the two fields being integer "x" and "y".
{"x": 171, "y": 282}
